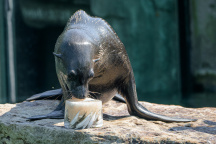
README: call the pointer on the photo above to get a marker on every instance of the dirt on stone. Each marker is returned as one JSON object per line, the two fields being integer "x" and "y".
{"x": 118, "y": 127}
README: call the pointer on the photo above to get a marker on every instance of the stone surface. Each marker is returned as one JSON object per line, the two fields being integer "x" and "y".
{"x": 118, "y": 126}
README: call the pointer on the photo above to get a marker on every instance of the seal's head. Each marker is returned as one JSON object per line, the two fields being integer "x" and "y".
{"x": 74, "y": 63}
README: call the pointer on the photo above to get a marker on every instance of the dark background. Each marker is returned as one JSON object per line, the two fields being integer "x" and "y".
{"x": 170, "y": 43}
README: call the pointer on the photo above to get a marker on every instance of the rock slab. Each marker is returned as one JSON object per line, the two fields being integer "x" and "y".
{"x": 119, "y": 126}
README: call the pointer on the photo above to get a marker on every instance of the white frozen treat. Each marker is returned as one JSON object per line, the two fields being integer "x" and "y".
{"x": 83, "y": 113}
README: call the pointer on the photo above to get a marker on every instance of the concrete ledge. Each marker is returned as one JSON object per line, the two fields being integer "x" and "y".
{"x": 118, "y": 126}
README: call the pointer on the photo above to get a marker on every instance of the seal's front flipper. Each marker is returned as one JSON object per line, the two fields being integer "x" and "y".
{"x": 58, "y": 113}
{"x": 119, "y": 98}
{"x": 52, "y": 94}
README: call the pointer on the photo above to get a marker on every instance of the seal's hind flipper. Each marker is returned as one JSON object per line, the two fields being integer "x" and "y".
{"x": 128, "y": 90}
{"x": 52, "y": 94}
{"x": 58, "y": 113}
{"x": 119, "y": 98}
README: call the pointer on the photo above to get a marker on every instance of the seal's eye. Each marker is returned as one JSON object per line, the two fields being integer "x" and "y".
{"x": 91, "y": 74}
{"x": 95, "y": 60}
{"x": 72, "y": 75}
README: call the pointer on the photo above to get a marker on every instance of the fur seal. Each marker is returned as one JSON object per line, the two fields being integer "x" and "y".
{"x": 92, "y": 61}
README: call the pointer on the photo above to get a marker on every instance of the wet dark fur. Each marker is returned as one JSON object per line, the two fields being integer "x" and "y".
{"x": 89, "y": 56}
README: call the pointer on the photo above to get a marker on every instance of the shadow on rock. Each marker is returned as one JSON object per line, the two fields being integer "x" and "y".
{"x": 110, "y": 117}
{"x": 205, "y": 129}
{"x": 209, "y": 122}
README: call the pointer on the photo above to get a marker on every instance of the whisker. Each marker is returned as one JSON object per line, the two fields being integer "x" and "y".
{"x": 94, "y": 92}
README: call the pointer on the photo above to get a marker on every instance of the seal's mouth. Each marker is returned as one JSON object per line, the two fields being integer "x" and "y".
{"x": 72, "y": 93}
{"x": 69, "y": 93}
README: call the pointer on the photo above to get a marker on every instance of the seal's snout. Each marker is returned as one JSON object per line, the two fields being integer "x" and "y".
{"x": 82, "y": 97}
{"x": 80, "y": 92}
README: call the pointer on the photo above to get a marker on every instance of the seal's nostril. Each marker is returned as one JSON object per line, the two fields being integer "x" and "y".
{"x": 82, "y": 81}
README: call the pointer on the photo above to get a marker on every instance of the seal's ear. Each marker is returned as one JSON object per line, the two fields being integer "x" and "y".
{"x": 57, "y": 55}
{"x": 95, "y": 60}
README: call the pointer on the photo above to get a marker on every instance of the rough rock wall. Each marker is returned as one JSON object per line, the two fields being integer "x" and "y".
{"x": 119, "y": 126}
{"x": 203, "y": 51}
